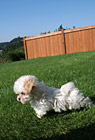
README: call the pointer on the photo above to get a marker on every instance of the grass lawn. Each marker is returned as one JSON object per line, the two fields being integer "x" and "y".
{"x": 19, "y": 121}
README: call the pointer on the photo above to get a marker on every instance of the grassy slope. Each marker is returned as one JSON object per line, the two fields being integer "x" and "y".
{"x": 18, "y": 121}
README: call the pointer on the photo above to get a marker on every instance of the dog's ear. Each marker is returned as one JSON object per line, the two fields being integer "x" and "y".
{"x": 29, "y": 85}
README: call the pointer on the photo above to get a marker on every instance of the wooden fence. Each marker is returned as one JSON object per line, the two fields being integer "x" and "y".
{"x": 61, "y": 42}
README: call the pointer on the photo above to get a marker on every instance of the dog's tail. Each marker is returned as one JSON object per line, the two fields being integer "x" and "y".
{"x": 86, "y": 102}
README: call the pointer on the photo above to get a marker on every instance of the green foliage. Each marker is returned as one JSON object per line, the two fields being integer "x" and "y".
{"x": 60, "y": 28}
{"x": 14, "y": 50}
{"x": 19, "y": 122}
{"x": 15, "y": 55}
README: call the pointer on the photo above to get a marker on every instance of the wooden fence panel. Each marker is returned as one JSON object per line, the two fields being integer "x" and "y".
{"x": 44, "y": 45}
{"x": 80, "y": 40}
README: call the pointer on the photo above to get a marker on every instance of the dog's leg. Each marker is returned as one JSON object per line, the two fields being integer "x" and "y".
{"x": 40, "y": 113}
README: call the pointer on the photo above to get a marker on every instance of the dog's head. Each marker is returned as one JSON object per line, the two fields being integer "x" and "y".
{"x": 24, "y": 87}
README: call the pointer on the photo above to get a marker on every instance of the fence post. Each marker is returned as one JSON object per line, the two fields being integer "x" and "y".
{"x": 64, "y": 43}
{"x": 25, "y": 48}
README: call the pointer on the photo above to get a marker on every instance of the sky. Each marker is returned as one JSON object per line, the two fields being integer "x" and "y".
{"x": 31, "y": 17}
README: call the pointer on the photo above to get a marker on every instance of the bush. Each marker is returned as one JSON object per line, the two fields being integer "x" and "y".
{"x": 16, "y": 55}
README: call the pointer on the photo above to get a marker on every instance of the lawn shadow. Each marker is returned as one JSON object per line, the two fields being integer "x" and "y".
{"x": 93, "y": 99}
{"x": 86, "y": 133}
{"x": 53, "y": 113}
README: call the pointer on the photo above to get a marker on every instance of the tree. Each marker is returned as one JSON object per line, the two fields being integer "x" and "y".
{"x": 60, "y": 27}
{"x": 74, "y": 27}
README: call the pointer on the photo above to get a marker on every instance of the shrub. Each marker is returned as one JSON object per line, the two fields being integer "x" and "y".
{"x": 16, "y": 55}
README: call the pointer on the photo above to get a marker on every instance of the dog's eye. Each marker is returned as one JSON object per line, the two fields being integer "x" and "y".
{"x": 22, "y": 93}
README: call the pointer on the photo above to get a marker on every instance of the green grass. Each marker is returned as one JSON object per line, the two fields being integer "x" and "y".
{"x": 19, "y": 121}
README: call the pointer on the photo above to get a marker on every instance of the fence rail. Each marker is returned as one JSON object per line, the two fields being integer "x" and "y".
{"x": 61, "y": 42}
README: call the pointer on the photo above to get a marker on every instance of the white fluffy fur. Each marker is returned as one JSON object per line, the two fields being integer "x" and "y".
{"x": 43, "y": 98}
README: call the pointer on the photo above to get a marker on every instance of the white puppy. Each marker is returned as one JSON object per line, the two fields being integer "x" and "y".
{"x": 43, "y": 98}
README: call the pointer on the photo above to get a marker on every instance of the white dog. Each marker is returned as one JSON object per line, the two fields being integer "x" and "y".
{"x": 43, "y": 98}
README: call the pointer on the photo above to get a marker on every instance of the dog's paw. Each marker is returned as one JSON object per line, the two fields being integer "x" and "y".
{"x": 39, "y": 116}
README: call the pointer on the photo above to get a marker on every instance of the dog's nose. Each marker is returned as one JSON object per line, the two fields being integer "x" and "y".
{"x": 18, "y": 98}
